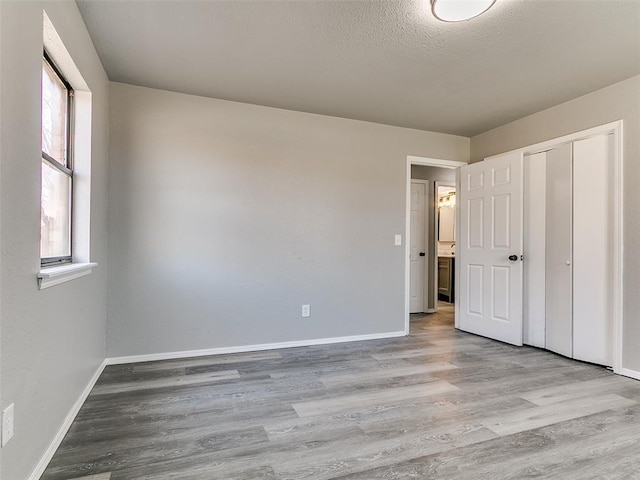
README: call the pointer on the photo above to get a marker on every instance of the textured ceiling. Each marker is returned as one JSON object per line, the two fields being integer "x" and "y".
{"x": 389, "y": 61}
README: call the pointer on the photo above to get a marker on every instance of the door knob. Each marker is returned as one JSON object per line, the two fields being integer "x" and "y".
{"x": 422, "y": 254}
{"x": 513, "y": 258}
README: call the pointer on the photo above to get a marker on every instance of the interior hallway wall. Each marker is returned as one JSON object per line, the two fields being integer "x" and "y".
{"x": 225, "y": 218}
{"x": 620, "y": 101}
{"x": 52, "y": 340}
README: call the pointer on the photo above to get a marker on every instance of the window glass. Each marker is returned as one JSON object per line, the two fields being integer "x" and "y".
{"x": 55, "y": 223}
{"x": 57, "y": 176}
{"x": 54, "y": 115}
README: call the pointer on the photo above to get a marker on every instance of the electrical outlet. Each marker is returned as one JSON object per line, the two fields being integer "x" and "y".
{"x": 306, "y": 310}
{"x": 7, "y": 424}
{"x": 398, "y": 240}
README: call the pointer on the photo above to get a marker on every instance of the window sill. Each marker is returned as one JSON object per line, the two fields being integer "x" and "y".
{"x": 50, "y": 276}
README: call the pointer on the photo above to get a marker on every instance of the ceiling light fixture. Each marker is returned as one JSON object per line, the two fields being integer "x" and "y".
{"x": 447, "y": 200}
{"x": 459, "y": 10}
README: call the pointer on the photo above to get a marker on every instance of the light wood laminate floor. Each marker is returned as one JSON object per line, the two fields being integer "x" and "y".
{"x": 439, "y": 404}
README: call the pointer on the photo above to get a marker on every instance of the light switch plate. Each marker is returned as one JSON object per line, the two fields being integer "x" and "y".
{"x": 7, "y": 424}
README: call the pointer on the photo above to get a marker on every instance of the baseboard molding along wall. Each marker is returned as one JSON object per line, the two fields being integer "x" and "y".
{"x": 630, "y": 373}
{"x": 64, "y": 428}
{"x": 248, "y": 348}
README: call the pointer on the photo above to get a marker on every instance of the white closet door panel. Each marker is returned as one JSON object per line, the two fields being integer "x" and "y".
{"x": 535, "y": 202}
{"x": 593, "y": 249}
{"x": 558, "y": 276}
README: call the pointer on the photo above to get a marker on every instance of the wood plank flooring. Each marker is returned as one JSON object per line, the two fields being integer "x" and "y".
{"x": 439, "y": 404}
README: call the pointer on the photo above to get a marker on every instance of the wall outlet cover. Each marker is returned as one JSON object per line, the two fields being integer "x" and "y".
{"x": 306, "y": 310}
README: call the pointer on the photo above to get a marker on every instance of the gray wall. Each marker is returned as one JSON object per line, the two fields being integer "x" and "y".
{"x": 436, "y": 174}
{"x": 224, "y": 218}
{"x": 620, "y": 101}
{"x": 433, "y": 174}
{"x": 52, "y": 341}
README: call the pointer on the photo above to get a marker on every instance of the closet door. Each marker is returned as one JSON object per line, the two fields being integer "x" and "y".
{"x": 535, "y": 238}
{"x": 558, "y": 268}
{"x": 593, "y": 249}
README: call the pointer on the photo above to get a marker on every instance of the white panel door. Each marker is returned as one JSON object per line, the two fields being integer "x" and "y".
{"x": 417, "y": 247}
{"x": 593, "y": 249}
{"x": 535, "y": 181}
{"x": 490, "y": 300}
{"x": 558, "y": 268}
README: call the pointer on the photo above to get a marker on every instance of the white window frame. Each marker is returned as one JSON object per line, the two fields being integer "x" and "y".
{"x": 64, "y": 169}
{"x": 80, "y": 143}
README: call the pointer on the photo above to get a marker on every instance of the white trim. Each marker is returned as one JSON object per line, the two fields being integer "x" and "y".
{"x": 629, "y": 373}
{"x": 456, "y": 266}
{"x": 64, "y": 428}
{"x": 434, "y": 162}
{"x": 618, "y": 248}
{"x": 247, "y": 348}
{"x": 615, "y": 128}
{"x": 50, "y": 276}
{"x": 612, "y": 127}
{"x": 428, "y": 162}
{"x": 60, "y": 55}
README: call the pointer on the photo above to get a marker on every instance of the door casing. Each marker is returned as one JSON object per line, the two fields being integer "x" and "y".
{"x": 428, "y": 162}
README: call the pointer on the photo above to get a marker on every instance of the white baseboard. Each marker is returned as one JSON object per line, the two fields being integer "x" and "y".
{"x": 431, "y": 310}
{"x": 57, "y": 440}
{"x": 630, "y": 373}
{"x": 247, "y": 348}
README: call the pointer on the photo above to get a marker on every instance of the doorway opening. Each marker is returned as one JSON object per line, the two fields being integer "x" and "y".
{"x": 445, "y": 239}
{"x": 430, "y": 248}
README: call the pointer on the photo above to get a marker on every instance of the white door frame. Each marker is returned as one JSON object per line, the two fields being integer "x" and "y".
{"x": 428, "y": 162}
{"x": 614, "y": 128}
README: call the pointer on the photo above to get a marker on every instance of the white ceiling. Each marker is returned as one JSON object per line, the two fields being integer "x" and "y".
{"x": 383, "y": 61}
